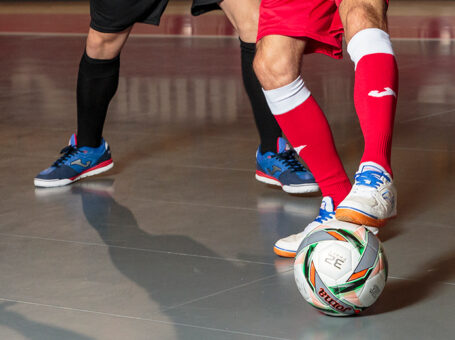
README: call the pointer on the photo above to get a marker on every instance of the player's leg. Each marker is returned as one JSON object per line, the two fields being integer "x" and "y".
{"x": 276, "y": 162}
{"x": 97, "y": 83}
{"x": 277, "y": 65}
{"x": 373, "y": 197}
{"x": 244, "y": 16}
{"x": 88, "y": 154}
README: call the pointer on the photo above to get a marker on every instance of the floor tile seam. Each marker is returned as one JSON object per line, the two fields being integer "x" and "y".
{"x": 205, "y": 167}
{"x": 243, "y": 285}
{"x": 104, "y": 245}
{"x": 416, "y": 181}
{"x": 113, "y": 131}
{"x": 438, "y": 225}
{"x": 421, "y": 149}
{"x": 138, "y": 318}
{"x": 425, "y": 116}
{"x": 417, "y": 63}
{"x": 340, "y": 145}
{"x": 212, "y": 206}
{"x": 408, "y": 279}
{"x": 121, "y": 131}
{"x": 120, "y": 199}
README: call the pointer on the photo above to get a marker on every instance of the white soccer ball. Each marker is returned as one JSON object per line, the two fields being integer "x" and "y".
{"x": 340, "y": 268}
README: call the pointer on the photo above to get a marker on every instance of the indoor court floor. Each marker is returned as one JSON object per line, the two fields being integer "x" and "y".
{"x": 176, "y": 241}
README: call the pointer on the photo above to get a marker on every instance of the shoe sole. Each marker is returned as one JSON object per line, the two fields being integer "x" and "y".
{"x": 100, "y": 168}
{"x": 290, "y": 189}
{"x": 284, "y": 253}
{"x": 356, "y": 217}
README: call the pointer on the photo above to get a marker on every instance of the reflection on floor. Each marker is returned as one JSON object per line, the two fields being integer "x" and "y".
{"x": 426, "y": 19}
{"x": 176, "y": 241}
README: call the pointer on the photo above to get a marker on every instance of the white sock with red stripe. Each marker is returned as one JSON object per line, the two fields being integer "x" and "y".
{"x": 375, "y": 92}
{"x": 306, "y": 128}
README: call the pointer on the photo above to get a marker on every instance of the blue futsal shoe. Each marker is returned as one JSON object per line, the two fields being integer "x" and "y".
{"x": 76, "y": 163}
{"x": 283, "y": 169}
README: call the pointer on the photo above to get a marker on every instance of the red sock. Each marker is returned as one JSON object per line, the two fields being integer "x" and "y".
{"x": 309, "y": 133}
{"x": 375, "y": 92}
{"x": 375, "y": 99}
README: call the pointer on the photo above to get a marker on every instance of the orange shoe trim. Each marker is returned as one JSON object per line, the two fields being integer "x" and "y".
{"x": 283, "y": 253}
{"x": 356, "y": 217}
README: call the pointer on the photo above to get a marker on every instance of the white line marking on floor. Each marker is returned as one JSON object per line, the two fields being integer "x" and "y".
{"x": 104, "y": 245}
{"x": 425, "y": 116}
{"x": 137, "y": 318}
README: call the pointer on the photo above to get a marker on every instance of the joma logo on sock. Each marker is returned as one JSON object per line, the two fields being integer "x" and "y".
{"x": 299, "y": 148}
{"x": 388, "y": 92}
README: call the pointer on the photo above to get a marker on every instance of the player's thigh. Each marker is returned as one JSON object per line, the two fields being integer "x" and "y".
{"x": 244, "y": 16}
{"x": 358, "y": 15}
{"x": 112, "y": 20}
{"x": 278, "y": 60}
{"x": 111, "y": 16}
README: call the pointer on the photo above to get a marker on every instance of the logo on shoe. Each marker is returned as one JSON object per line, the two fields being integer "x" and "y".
{"x": 275, "y": 169}
{"x": 388, "y": 196}
{"x": 388, "y": 92}
{"x": 79, "y": 162}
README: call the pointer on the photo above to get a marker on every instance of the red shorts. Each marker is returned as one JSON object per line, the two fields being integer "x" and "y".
{"x": 316, "y": 20}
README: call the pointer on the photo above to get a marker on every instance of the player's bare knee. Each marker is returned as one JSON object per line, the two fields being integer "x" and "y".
{"x": 273, "y": 70}
{"x": 104, "y": 45}
{"x": 361, "y": 15}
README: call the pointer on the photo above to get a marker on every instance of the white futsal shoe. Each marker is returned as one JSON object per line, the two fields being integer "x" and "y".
{"x": 287, "y": 246}
{"x": 373, "y": 197}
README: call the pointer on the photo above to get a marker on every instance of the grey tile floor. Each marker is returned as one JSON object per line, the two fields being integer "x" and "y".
{"x": 176, "y": 241}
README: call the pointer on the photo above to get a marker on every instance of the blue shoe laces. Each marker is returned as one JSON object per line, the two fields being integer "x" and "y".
{"x": 370, "y": 178}
{"x": 290, "y": 161}
{"x": 67, "y": 152}
{"x": 324, "y": 216}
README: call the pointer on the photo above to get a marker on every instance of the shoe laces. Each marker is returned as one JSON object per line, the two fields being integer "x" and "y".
{"x": 66, "y": 152}
{"x": 290, "y": 161}
{"x": 324, "y": 216}
{"x": 370, "y": 178}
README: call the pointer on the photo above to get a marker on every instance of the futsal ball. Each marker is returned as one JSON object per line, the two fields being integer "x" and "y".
{"x": 340, "y": 268}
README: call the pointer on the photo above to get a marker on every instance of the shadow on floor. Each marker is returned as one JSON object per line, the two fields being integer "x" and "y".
{"x": 399, "y": 294}
{"x": 173, "y": 269}
{"x": 32, "y": 329}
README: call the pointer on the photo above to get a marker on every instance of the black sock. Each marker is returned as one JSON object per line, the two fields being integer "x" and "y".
{"x": 268, "y": 128}
{"x": 96, "y": 85}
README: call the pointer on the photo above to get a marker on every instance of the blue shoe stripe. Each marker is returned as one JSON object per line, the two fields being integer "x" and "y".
{"x": 360, "y": 211}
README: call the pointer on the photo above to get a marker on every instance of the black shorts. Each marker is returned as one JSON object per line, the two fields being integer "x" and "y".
{"x": 110, "y": 16}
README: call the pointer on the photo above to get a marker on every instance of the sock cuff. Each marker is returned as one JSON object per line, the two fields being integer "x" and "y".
{"x": 369, "y": 41}
{"x": 99, "y": 68}
{"x": 288, "y": 97}
{"x": 247, "y": 47}
{"x": 99, "y": 61}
